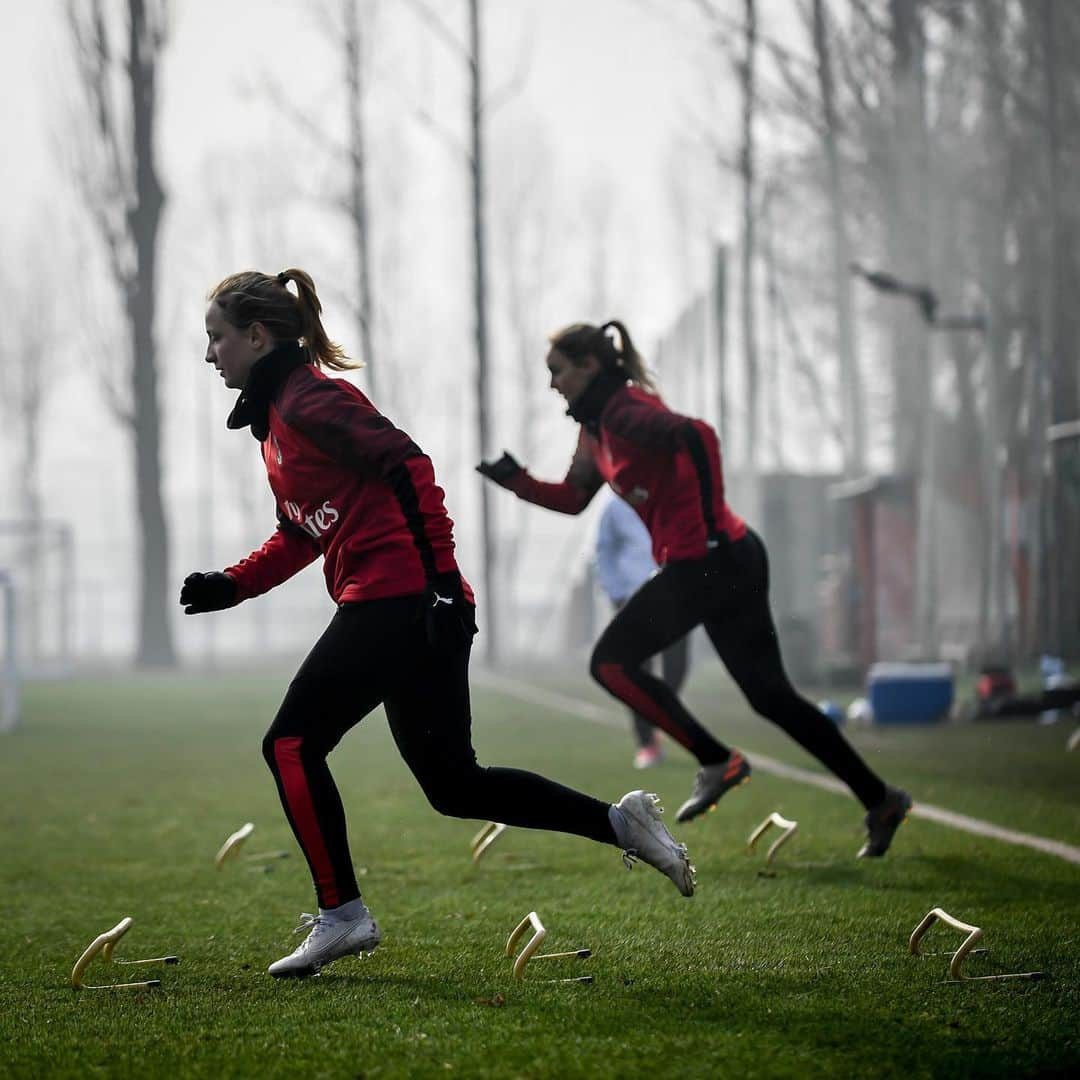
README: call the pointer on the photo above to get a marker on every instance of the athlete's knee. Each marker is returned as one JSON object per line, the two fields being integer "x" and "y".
{"x": 596, "y": 666}
{"x": 769, "y": 699}
{"x": 447, "y": 802}
{"x": 268, "y": 750}
{"x": 457, "y": 796}
{"x": 605, "y": 665}
{"x": 277, "y": 747}
{"x": 453, "y": 783}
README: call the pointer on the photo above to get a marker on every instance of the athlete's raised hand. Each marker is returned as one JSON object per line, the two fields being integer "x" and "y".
{"x": 214, "y": 591}
{"x": 501, "y": 470}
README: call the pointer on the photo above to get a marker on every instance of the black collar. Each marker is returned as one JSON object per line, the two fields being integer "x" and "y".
{"x": 266, "y": 376}
{"x": 589, "y": 404}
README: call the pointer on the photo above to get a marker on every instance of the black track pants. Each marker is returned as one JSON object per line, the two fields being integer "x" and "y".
{"x": 377, "y": 652}
{"x": 674, "y": 664}
{"x": 728, "y": 593}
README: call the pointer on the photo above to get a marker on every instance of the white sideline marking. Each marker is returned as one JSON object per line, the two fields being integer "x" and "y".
{"x": 552, "y": 699}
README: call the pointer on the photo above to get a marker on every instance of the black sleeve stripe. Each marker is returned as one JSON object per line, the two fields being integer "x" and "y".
{"x": 700, "y": 459}
{"x": 401, "y": 482}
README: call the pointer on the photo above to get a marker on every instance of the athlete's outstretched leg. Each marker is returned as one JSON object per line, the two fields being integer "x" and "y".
{"x": 745, "y": 637}
{"x": 431, "y": 722}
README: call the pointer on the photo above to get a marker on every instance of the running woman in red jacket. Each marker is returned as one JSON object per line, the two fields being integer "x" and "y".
{"x": 352, "y": 488}
{"x": 713, "y": 569}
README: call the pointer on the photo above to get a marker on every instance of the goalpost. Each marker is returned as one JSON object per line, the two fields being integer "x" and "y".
{"x": 9, "y": 708}
{"x": 38, "y": 559}
{"x": 37, "y": 584}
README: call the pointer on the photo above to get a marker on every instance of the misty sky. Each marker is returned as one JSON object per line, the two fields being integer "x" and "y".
{"x": 613, "y": 82}
{"x": 614, "y": 103}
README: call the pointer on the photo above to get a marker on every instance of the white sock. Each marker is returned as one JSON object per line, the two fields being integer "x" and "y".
{"x": 354, "y": 909}
{"x": 620, "y": 825}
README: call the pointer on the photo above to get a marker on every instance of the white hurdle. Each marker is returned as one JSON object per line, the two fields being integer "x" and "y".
{"x": 529, "y": 952}
{"x": 485, "y": 838}
{"x": 974, "y": 935}
{"x": 788, "y": 827}
{"x": 234, "y": 841}
{"x": 104, "y": 944}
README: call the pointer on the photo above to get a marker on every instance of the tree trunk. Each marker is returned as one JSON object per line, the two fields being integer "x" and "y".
{"x": 719, "y": 299}
{"x": 906, "y": 232}
{"x": 906, "y": 228}
{"x": 774, "y": 404}
{"x": 1063, "y": 548}
{"x": 358, "y": 197}
{"x": 992, "y": 225}
{"x": 476, "y": 160}
{"x": 749, "y": 251}
{"x": 854, "y": 420}
{"x": 155, "y": 630}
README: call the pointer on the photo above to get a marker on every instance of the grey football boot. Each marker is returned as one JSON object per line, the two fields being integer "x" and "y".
{"x": 329, "y": 940}
{"x": 646, "y": 838}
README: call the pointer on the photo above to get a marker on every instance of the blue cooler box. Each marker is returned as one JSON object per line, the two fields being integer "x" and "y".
{"x": 910, "y": 693}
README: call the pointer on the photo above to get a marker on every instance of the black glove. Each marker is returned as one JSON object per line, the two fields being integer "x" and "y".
{"x": 208, "y": 592}
{"x": 449, "y": 620}
{"x": 506, "y": 468}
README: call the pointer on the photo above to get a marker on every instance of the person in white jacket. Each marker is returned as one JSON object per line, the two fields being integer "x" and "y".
{"x": 624, "y": 563}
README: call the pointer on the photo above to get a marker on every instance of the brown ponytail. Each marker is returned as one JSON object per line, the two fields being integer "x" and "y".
{"x": 579, "y": 340}
{"x": 251, "y": 297}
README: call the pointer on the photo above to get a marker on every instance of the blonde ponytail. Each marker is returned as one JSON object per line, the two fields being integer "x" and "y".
{"x": 252, "y": 297}
{"x": 324, "y": 352}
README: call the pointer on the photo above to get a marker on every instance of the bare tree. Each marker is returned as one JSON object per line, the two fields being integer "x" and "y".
{"x": 521, "y": 205}
{"x": 850, "y": 375}
{"x": 772, "y": 365}
{"x": 904, "y": 199}
{"x": 350, "y": 33}
{"x": 1056, "y": 29}
{"x": 991, "y": 223}
{"x": 747, "y": 165}
{"x": 124, "y": 196}
{"x": 360, "y": 219}
{"x": 480, "y": 315}
{"x": 471, "y": 54}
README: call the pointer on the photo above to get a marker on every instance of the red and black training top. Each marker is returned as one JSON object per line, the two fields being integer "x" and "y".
{"x": 348, "y": 484}
{"x": 666, "y": 466}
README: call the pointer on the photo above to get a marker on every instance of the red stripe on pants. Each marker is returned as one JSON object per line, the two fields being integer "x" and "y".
{"x": 614, "y": 677}
{"x": 302, "y": 808}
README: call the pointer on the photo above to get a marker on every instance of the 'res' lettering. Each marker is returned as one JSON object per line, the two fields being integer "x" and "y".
{"x": 317, "y": 522}
{"x": 325, "y": 516}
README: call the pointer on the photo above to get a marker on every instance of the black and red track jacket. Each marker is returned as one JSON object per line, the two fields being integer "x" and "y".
{"x": 665, "y": 465}
{"x": 348, "y": 484}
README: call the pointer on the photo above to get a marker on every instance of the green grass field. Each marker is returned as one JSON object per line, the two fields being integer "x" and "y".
{"x": 116, "y": 795}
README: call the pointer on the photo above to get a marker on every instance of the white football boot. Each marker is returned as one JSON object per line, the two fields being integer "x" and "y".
{"x": 646, "y": 838}
{"x": 329, "y": 940}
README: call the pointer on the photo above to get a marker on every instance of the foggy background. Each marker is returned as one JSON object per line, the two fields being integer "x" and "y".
{"x": 843, "y": 231}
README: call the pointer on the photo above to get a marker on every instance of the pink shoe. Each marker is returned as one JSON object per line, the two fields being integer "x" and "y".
{"x": 648, "y": 756}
